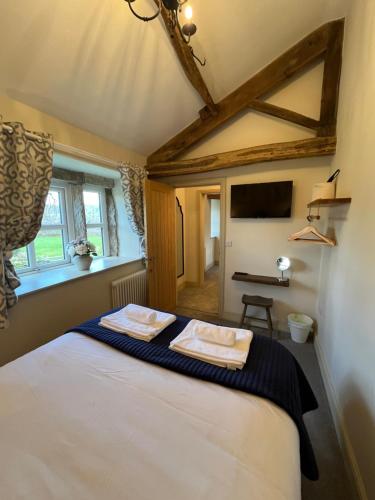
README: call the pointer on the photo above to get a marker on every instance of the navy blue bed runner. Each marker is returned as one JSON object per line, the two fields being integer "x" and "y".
{"x": 271, "y": 371}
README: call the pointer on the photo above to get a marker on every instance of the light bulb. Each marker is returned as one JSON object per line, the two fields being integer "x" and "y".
{"x": 188, "y": 12}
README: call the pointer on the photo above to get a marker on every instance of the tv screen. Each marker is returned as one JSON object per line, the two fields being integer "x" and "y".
{"x": 262, "y": 201}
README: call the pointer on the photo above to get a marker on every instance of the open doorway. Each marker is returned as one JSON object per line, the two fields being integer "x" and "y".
{"x": 198, "y": 227}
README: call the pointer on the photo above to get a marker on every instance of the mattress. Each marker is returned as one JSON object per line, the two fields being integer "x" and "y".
{"x": 81, "y": 420}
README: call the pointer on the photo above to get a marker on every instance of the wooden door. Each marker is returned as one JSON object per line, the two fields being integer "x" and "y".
{"x": 161, "y": 245}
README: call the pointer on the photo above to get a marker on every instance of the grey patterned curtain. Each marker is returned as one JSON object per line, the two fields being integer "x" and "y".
{"x": 25, "y": 176}
{"x": 79, "y": 216}
{"x": 112, "y": 223}
{"x": 132, "y": 181}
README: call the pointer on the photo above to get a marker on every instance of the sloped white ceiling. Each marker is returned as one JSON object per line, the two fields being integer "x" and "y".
{"x": 92, "y": 64}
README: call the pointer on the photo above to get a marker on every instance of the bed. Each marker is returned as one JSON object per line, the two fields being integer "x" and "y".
{"x": 82, "y": 420}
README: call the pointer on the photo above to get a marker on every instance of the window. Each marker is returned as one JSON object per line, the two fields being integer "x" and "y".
{"x": 96, "y": 219}
{"x": 49, "y": 247}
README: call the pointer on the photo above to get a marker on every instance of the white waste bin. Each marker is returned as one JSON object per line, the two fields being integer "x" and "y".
{"x": 300, "y": 326}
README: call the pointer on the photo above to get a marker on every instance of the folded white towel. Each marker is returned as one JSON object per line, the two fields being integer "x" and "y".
{"x": 215, "y": 334}
{"x": 234, "y": 357}
{"x": 140, "y": 313}
{"x": 121, "y": 323}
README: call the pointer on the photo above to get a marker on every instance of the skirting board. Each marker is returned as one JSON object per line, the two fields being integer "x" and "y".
{"x": 340, "y": 427}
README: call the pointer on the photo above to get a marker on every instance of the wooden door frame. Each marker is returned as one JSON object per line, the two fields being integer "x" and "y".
{"x": 201, "y": 183}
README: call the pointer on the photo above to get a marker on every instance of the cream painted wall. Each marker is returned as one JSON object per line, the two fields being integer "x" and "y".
{"x": 345, "y": 310}
{"x": 63, "y": 132}
{"x": 47, "y": 314}
{"x": 301, "y": 94}
{"x": 255, "y": 244}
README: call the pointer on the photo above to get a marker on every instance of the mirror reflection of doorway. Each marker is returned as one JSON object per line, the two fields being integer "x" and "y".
{"x": 198, "y": 251}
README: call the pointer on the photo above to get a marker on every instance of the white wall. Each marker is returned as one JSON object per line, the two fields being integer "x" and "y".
{"x": 346, "y": 339}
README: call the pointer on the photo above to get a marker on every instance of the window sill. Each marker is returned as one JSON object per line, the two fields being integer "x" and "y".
{"x": 34, "y": 282}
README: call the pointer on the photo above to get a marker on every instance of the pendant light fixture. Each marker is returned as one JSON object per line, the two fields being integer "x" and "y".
{"x": 175, "y": 9}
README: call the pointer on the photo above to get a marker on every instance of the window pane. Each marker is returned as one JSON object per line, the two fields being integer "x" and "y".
{"x": 91, "y": 200}
{"x": 95, "y": 236}
{"x": 20, "y": 259}
{"x": 49, "y": 246}
{"x": 52, "y": 210}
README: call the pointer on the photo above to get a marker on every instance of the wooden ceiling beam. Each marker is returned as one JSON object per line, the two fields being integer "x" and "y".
{"x": 284, "y": 114}
{"x": 188, "y": 63}
{"x": 331, "y": 80}
{"x": 304, "y": 148}
{"x": 277, "y": 72}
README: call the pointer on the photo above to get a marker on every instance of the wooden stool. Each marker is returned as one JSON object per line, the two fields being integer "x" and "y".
{"x": 257, "y": 301}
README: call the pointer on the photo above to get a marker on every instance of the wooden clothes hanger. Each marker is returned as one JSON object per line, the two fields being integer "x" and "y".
{"x": 320, "y": 238}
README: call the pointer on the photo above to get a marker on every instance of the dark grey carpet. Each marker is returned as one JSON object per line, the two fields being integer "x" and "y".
{"x": 334, "y": 483}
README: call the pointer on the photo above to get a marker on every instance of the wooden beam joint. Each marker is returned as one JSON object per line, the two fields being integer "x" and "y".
{"x": 325, "y": 42}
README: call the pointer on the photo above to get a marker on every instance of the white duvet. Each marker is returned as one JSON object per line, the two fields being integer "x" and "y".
{"x": 82, "y": 421}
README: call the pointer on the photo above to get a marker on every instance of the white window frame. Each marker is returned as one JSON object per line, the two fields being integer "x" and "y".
{"x": 67, "y": 227}
{"x": 62, "y": 188}
{"x": 103, "y": 215}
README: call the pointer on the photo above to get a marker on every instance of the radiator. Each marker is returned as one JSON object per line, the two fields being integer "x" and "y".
{"x": 130, "y": 290}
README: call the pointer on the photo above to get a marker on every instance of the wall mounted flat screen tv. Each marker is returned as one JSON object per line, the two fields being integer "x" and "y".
{"x": 262, "y": 201}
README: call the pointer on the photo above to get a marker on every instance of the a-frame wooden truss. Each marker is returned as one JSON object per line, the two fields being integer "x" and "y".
{"x": 325, "y": 43}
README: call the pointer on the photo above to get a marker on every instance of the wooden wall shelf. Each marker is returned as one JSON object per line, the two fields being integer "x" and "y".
{"x": 264, "y": 280}
{"x": 329, "y": 202}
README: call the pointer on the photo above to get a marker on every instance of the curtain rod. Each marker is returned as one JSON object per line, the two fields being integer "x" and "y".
{"x": 29, "y": 135}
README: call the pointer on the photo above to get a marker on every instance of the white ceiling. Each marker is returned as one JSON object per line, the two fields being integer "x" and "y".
{"x": 94, "y": 65}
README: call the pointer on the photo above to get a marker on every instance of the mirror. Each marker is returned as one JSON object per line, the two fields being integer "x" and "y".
{"x": 180, "y": 239}
{"x": 283, "y": 264}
